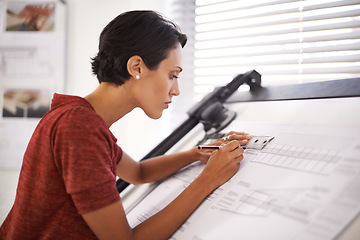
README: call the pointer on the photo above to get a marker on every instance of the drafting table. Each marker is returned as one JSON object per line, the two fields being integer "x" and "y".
{"x": 305, "y": 184}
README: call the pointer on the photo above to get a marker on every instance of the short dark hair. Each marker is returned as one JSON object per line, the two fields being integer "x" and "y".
{"x": 143, "y": 33}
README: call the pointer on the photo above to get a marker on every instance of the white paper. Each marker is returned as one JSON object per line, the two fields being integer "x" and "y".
{"x": 303, "y": 185}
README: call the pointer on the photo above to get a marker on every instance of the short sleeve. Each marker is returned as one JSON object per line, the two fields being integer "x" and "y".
{"x": 86, "y": 155}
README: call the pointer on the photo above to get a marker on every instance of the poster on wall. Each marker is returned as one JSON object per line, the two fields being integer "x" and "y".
{"x": 32, "y": 68}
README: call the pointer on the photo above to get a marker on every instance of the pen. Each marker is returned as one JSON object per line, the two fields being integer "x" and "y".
{"x": 214, "y": 147}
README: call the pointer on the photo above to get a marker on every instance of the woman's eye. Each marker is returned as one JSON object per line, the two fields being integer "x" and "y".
{"x": 172, "y": 77}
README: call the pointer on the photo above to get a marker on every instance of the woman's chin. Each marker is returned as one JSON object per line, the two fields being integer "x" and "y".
{"x": 154, "y": 115}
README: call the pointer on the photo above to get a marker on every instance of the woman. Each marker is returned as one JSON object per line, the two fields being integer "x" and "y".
{"x": 67, "y": 187}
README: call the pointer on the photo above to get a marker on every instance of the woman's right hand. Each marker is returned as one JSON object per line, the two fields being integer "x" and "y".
{"x": 223, "y": 164}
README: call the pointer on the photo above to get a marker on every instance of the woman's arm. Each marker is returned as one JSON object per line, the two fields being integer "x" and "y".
{"x": 110, "y": 222}
{"x": 158, "y": 168}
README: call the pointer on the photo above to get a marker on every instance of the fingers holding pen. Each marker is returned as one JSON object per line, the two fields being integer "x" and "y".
{"x": 235, "y": 150}
{"x": 232, "y": 147}
{"x": 224, "y": 163}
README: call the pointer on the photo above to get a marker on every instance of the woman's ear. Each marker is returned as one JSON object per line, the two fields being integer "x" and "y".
{"x": 134, "y": 66}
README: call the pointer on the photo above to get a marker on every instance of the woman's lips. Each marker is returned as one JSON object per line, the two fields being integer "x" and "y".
{"x": 167, "y": 104}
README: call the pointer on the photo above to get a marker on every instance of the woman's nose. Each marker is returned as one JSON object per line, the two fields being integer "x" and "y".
{"x": 175, "y": 91}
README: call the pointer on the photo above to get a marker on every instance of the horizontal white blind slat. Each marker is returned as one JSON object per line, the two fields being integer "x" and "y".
{"x": 320, "y": 14}
{"x": 306, "y": 27}
{"x": 245, "y": 3}
{"x": 318, "y": 38}
{"x": 237, "y": 9}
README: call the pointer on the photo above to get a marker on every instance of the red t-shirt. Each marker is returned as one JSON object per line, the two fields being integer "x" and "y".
{"x": 69, "y": 168}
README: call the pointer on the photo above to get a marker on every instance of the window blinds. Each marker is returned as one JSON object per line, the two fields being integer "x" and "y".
{"x": 285, "y": 41}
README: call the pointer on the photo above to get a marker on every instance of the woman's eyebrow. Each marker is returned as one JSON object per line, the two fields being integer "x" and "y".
{"x": 179, "y": 68}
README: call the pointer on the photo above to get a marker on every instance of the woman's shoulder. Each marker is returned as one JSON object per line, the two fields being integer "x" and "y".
{"x": 73, "y": 112}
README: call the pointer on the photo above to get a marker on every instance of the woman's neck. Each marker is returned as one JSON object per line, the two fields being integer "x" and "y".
{"x": 111, "y": 102}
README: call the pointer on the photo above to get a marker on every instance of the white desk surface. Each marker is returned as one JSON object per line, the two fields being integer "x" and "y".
{"x": 329, "y": 112}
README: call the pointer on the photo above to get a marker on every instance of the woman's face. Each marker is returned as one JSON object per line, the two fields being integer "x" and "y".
{"x": 161, "y": 85}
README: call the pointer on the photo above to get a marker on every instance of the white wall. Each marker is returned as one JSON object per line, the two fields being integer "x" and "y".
{"x": 136, "y": 133}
